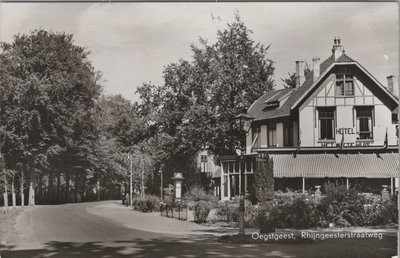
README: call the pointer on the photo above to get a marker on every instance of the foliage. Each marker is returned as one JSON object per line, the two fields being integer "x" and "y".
{"x": 201, "y": 210}
{"x": 341, "y": 206}
{"x": 264, "y": 179}
{"x": 47, "y": 106}
{"x": 197, "y": 104}
{"x": 290, "y": 82}
{"x": 378, "y": 212}
{"x": 197, "y": 193}
{"x": 228, "y": 211}
{"x": 149, "y": 203}
{"x": 200, "y": 202}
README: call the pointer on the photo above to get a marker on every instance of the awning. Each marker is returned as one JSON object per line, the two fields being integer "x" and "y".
{"x": 369, "y": 165}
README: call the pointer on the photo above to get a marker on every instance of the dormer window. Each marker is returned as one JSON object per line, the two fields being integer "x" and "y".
{"x": 344, "y": 85}
{"x": 271, "y": 105}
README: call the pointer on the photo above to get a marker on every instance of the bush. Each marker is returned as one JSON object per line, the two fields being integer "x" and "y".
{"x": 266, "y": 218}
{"x": 149, "y": 203}
{"x": 228, "y": 211}
{"x": 378, "y": 212}
{"x": 196, "y": 195}
{"x": 341, "y": 206}
{"x": 201, "y": 211}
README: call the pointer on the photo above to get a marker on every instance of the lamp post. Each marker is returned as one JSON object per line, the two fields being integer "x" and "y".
{"x": 243, "y": 117}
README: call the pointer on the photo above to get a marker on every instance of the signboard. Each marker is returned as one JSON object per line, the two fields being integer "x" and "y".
{"x": 178, "y": 190}
{"x": 346, "y": 136}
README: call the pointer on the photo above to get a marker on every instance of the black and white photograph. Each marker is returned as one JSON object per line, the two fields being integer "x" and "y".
{"x": 199, "y": 129}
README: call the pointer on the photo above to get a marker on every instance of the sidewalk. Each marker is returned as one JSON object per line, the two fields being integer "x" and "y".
{"x": 154, "y": 222}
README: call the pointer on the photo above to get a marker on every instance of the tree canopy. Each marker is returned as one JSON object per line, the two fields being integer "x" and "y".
{"x": 199, "y": 100}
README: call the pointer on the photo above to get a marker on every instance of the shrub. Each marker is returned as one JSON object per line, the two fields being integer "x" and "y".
{"x": 197, "y": 194}
{"x": 266, "y": 218}
{"x": 149, "y": 203}
{"x": 341, "y": 206}
{"x": 201, "y": 211}
{"x": 168, "y": 200}
{"x": 378, "y": 212}
{"x": 228, "y": 211}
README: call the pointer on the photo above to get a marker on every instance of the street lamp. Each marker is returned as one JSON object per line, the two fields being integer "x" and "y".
{"x": 242, "y": 117}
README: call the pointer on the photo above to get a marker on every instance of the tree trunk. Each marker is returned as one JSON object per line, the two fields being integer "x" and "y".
{"x": 40, "y": 192}
{"x": 14, "y": 201}
{"x": 31, "y": 201}
{"x": 83, "y": 188}
{"x": 5, "y": 195}
{"x": 22, "y": 190}
{"x": 50, "y": 188}
{"x": 66, "y": 186}
{"x": 58, "y": 190}
{"x": 98, "y": 190}
{"x": 76, "y": 187}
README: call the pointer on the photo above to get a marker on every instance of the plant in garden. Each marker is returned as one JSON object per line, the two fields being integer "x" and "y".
{"x": 201, "y": 210}
{"x": 149, "y": 203}
{"x": 197, "y": 194}
{"x": 341, "y": 206}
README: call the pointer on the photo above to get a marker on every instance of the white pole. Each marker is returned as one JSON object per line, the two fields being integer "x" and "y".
{"x": 304, "y": 184}
{"x": 347, "y": 184}
{"x": 131, "y": 180}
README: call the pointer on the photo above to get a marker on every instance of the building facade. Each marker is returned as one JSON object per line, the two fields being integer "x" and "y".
{"x": 338, "y": 124}
{"x": 210, "y": 173}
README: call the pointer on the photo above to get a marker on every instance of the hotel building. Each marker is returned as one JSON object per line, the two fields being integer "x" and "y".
{"x": 338, "y": 124}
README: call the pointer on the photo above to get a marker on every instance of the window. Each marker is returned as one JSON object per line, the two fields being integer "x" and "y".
{"x": 344, "y": 85}
{"x": 272, "y": 135}
{"x": 364, "y": 123}
{"x": 256, "y": 131}
{"x": 203, "y": 158}
{"x": 225, "y": 184}
{"x": 288, "y": 134}
{"x": 326, "y": 123}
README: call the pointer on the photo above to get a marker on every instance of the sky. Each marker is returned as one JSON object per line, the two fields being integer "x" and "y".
{"x": 131, "y": 43}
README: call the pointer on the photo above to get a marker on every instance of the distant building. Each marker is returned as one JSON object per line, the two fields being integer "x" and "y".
{"x": 209, "y": 170}
{"x": 338, "y": 123}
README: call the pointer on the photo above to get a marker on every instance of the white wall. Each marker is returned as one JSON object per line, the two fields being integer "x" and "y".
{"x": 324, "y": 96}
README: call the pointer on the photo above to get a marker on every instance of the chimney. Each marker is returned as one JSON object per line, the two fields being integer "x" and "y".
{"x": 316, "y": 70}
{"x": 299, "y": 73}
{"x": 337, "y": 49}
{"x": 393, "y": 86}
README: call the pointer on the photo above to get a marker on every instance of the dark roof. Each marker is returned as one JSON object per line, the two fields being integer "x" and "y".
{"x": 257, "y": 109}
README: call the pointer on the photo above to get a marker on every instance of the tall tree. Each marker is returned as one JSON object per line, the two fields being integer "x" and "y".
{"x": 199, "y": 100}
{"x": 49, "y": 91}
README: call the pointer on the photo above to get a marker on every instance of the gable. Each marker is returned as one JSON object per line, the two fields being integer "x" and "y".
{"x": 367, "y": 90}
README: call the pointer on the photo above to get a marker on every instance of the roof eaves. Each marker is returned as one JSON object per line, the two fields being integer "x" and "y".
{"x": 312, "y": 86}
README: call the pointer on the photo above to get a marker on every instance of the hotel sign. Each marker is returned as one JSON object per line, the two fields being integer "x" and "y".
{"x": 349, "y": 136}
{"x": 345, "y": 131}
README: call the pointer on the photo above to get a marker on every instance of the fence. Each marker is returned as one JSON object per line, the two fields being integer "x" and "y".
{"x": 176, "y": 212}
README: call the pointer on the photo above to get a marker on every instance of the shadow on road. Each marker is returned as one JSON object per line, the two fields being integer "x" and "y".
{"x": 210, "y": 247}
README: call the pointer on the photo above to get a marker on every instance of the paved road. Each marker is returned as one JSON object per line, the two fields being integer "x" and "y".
{"x": 71, "y": 231}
